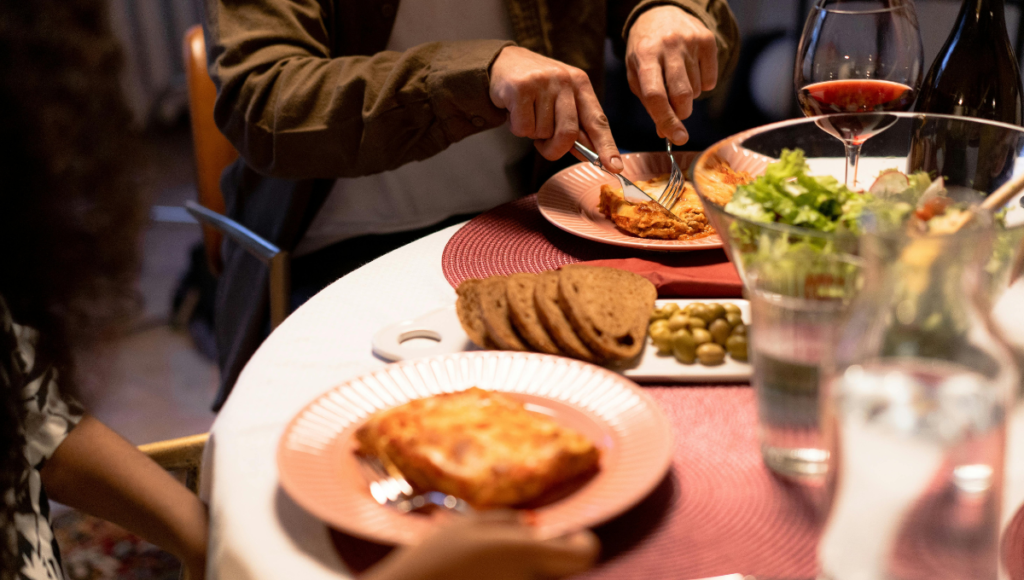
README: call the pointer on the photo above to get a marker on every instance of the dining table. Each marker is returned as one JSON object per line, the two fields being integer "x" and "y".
{"x": 717, "y": 511}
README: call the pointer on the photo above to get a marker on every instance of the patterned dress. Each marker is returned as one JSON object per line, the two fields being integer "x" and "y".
{"x": 48, "y": 419}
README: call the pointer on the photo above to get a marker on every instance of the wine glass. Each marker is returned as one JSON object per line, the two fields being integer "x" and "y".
{"x": 860, "y": 56}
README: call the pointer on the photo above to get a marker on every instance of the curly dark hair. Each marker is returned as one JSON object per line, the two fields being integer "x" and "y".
{"x": 70, "y": 215}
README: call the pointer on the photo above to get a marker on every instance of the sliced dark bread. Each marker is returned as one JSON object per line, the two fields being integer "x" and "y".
{"x": 608, "y": 308}
{"x": 494, "y": 311}
{"x": 523, "y": 312}
{"x": 545, "y": 298}
{"x": 468, "y": 308}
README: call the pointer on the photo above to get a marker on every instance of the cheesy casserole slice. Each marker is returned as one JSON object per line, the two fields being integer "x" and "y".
{"x": 481, "y": 446}
{"x": 647, "y": 220}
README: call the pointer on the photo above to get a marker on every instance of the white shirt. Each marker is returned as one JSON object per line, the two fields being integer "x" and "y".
{"x": 471, "y": 176}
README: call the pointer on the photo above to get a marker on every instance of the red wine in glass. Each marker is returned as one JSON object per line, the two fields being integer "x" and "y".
{"x": 846, "y": 49}
{"x": 855, "y": 96}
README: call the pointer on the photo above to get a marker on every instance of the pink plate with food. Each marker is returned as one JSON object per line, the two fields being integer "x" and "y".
{"x": 569, "y": 200}
{"x": 320, "y": 471}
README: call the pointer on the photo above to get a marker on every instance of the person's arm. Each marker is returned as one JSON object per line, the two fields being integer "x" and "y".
{"x": 96, "y": 471}
{"x": 675, "y": 51}
{"x": 294, "y": 110}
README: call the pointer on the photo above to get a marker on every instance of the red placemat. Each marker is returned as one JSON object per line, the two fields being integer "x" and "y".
{"x": 515, "y": 237}
{"x": 718, "y": 511}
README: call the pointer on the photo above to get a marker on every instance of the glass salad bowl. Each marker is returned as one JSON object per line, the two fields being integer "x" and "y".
{"x": 787, "y": 231}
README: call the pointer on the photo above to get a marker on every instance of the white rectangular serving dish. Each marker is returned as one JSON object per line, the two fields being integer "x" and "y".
{"x": 439, "y": 332}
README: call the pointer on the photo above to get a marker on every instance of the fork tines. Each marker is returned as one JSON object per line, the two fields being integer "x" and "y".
{"x": 670, "y": 196}
{"x": 674, "y": 189}
{"x": 385, "y": 487}
{"x": 389, "y": 487}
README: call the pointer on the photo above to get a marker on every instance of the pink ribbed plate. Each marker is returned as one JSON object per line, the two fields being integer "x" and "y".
{"x": 569, "y": 201}
{"x": 319, "y": 471}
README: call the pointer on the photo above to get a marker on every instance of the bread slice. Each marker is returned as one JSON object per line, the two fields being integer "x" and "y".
{"x": 608, "y": 308}
{"x": 494, "y": 311}
{"x": 523, "y": 312}
{"x": 545, "y": 298}
{"x": 468, "y": 308}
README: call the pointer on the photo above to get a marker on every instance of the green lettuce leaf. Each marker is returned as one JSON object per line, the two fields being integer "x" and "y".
{"x": 787, "y": 194}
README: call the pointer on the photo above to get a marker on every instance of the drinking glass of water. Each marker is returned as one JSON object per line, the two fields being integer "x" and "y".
{"x": 796, "y": 306}
{"x": 915, "y": 398}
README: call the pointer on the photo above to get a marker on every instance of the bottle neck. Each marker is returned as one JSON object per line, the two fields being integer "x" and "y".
{"x": 982, "y": 11}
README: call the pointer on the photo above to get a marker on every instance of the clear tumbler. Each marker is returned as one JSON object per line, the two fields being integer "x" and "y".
{"x": 915, "y": 399}
{"x": 796, "y": 306}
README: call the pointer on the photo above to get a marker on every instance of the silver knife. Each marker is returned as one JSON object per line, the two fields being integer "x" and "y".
{"x": 630, "y": 192}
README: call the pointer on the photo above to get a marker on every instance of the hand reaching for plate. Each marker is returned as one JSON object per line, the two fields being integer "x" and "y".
{"x": 671, "y": 57}
{"x": 496, "y": 545}
{"x": 552, "y": 103}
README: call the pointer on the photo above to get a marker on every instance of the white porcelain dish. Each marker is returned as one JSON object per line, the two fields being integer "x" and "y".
{"x": 439, "y": 332}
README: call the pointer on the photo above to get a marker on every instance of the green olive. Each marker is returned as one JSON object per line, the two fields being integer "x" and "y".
{"x": 710, "y": 354}
{"x": 709, "y": 314}
{"x": 695, "y": 323}
{"x": 730, "y": 307}
{"x": 664, "y": 313}
{"x": 684, "y": 347}
{"x": 677, "y": 321}
{"x": 658, "y": 314}
{"x": 733, "y": 318}
{"x": 717, "y": 311}
{"x": 719, "y": 330}
{"x": 661, "y": 336}
{"x": 689, "y": 307}
{"x": 739, "y": 330}
{"x": 699, "y": 311}
{"x": 737, "y": 346}
{"x": 700, "y": 335}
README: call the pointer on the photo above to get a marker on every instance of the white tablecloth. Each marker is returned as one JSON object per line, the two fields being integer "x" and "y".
{"x": 257, "y": 532}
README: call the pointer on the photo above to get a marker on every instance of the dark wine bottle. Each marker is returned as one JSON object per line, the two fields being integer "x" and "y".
{"x": 976, "y": 73}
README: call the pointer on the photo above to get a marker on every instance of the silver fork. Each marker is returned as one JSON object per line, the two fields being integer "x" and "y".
{"x": 389, "y": 487}
{"x": 670, "y": 195}
{"x": 629, "y": 190}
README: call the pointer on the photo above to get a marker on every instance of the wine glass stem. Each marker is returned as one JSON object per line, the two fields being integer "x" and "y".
{"x": 852, "y": 156}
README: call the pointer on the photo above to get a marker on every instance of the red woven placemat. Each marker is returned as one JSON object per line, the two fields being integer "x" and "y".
{"x": 719, "y": 510}
{"x": 515, "y": 237}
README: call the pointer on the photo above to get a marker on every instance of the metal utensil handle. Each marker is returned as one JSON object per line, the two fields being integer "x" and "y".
{"x": 590, "y": 155}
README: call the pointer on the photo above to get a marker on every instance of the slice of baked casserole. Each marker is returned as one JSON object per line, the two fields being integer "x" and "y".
{"x": 481, "y": 446}
{"x": 647, "y": 220}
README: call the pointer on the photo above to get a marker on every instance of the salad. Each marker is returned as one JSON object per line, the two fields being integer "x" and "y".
{"x": 786, "y": 193}
{"x": 829, "y": 217}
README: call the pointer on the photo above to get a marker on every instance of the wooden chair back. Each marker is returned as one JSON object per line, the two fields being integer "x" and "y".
{"x": 213, "y": 152}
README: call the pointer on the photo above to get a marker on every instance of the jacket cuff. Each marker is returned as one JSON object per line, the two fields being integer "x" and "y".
{"x": 460, "y": 89}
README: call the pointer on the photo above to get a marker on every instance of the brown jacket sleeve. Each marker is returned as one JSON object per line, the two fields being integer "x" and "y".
{"x": 293, "y": 111}
{"x": 715, "y": 14}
